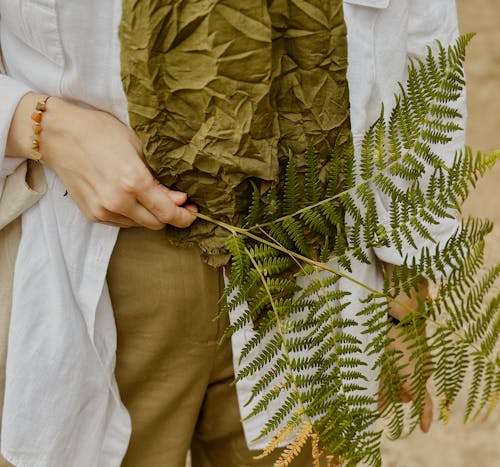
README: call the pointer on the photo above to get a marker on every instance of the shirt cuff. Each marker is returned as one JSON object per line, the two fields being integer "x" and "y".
{"x": 11, "y": 92}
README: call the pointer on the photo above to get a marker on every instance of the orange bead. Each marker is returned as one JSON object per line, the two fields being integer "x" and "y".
{"x": 36, "y": 116}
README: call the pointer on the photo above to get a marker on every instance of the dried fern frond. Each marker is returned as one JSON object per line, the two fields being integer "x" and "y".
{"x": 295, "y": 447}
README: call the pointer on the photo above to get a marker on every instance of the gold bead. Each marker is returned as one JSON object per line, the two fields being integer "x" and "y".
{"x": 35, "y": 155}
{"x": 41, "y": 106}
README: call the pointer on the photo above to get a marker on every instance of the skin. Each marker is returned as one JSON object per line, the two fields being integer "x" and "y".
{"x": 398, "y": 311}
{"x": 101, "y": 163}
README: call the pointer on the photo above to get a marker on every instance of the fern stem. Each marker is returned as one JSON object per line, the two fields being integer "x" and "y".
{"x": 325, "y": 267}
{"x": 417, "y": 137}
{"x": 246, "y": 232}
{"x": 279, "y": 326}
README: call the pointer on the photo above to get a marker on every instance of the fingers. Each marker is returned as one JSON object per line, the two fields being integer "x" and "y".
{"x": 131, "y": 199}
{"x": 136, "y": 214}
{"x": 112, "y": 224}
{"x": 406, "y": 397}
{"x": 426, "y": 417}
{"x": 131, "y": 214}
{"x": 112, "y": 209}
{"x": 178, "y": 197}
{"x": 105, "y": 173}
{"x": 139, "y": 217}
{"x": 102, "y": 215}
{"x": 144, "y": 218}
{"x": 163, "y": 206}
{"x": 166, "y": 205}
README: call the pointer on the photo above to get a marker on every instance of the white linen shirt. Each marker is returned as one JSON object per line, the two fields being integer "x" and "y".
{"x": 62, "y": 405}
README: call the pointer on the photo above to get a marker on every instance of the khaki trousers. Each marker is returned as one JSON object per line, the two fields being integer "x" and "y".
{"x": 173, "y": 376}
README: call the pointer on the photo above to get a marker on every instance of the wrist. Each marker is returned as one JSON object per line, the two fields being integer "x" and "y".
{"x": 60, "y": 122}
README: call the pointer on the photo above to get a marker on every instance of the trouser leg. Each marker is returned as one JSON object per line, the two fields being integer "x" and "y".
{"x": 173, "y": 376}
{"x": 218, "y": 439}
{"x": 165, "y": 301}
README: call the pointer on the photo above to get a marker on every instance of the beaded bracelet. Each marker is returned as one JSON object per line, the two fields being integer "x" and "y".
{"x": 36, "y": 116}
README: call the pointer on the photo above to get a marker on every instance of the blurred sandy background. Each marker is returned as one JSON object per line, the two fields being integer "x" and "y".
{"x": 476, "y": 444}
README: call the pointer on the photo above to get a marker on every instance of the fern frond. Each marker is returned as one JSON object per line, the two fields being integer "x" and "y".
{"x": 294, "y": 448}
{"x": 292, "y": 264}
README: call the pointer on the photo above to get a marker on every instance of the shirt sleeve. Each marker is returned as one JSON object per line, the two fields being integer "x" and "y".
{"x": 429, "y": 21}
{"x": 11, "y": 92}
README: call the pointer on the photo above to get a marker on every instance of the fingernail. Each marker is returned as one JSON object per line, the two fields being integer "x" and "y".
{"x": 177, "y": 196}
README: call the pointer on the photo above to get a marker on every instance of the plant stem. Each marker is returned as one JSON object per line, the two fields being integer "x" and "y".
{"x": 325, "y": 267}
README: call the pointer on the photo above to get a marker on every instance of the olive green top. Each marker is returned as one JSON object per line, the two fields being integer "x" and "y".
{"x": 220, "y": 90}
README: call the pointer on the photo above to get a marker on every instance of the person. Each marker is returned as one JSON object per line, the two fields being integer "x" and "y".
{"x": 105, "y": 312}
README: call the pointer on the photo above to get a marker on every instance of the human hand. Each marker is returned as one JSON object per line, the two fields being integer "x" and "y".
{"x": 402, "y": 345}
{"x": 404, "y": 348}
{"x": 100, "y": 162}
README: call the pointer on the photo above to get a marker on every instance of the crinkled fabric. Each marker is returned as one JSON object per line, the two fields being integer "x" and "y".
{"x": 220, "y": 90}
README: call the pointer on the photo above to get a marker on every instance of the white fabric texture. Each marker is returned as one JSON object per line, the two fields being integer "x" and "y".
{"x": 62, "y": 405}
{"x": 380, "y": 46}
{"x": 22, "y": 189}
{"x": 382, "y": 36}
